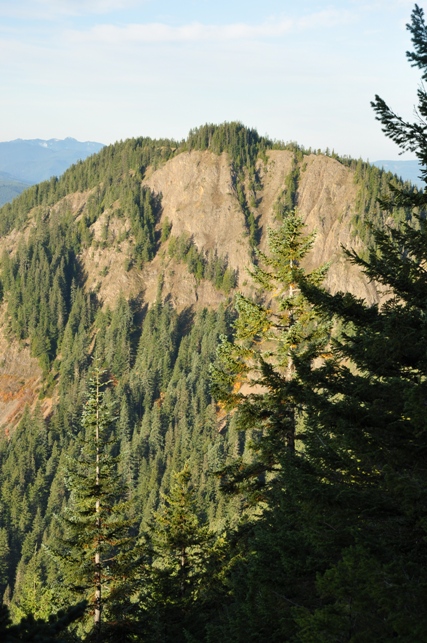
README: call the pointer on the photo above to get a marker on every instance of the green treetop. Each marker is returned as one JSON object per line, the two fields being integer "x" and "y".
{"x": 255, "y": 373}
{"x": 365, "y": 434}
{"x": 184, "y": 577}
{"x": 98, "y": 553}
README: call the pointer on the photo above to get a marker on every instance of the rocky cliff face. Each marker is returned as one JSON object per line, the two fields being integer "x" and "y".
{"x": 198, "y": 197}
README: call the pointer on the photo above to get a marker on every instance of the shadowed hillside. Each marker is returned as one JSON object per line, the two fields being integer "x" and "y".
{"x": 133, "y": 256}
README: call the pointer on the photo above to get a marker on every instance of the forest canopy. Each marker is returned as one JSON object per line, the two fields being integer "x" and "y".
{"x": 251, "y": 471}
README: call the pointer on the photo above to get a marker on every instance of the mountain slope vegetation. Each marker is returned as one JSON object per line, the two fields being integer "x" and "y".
{"x": 130, "y": 260}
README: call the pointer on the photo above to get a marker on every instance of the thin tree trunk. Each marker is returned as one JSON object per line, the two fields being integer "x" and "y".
{"x": 98, "y": 593}
{"x": 183, "y": 566}
{"x": 290, "y": 438}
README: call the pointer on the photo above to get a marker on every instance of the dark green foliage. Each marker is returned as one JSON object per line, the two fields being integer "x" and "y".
{"x": 169, "y": 389}
{"x": 32, "y": 630}
{"x": 184, "y": 582}
{"x": 142, "y": 209}
{"x": 76, "y": 338}
{"x": 203, "y": 266}
{"x": 270, "y": 334}
{"x": 258, "y": 378}
{"x": 102, "y": 171}
{"x": 114, "y": 177}
{"x": 410, "y": 136}
{"x": 117, "y": 336}
{"x": 242, "y": 144}
{"x": 330, "y": 455}
{"x": 339, "y": 550}
{"x": 166, "y": 230}
{"x": 291, "y": 187}
{"x": 166, "y": 417}
{"x": 116, "y": 167}
{"x": 244, "y": 147}
{"x": 354, "y": 496}
{"x": 97, "y": 553}
{"x": 38, "y": 280}
{"x": 375, "y": 188}
{"x": 184, "y": 249}
{"x": 43, "y": 281}
{"x": 23, "y": 488}
{"x": 365, "y": 439}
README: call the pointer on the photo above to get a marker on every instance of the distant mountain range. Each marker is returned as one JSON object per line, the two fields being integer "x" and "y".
{"x": 25, "y": 162}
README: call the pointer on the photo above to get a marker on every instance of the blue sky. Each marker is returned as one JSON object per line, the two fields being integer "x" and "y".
{"x": 105, "y": 70}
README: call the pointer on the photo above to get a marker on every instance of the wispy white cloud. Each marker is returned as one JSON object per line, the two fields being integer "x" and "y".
{"x": 198, "y": 32}
{"x": 160, "y": 32}
{"x": 53, "y": 9}
{"x": 326, "y": 19}
{"x": 87, "y": 68}
{"x": 87, "y": 7}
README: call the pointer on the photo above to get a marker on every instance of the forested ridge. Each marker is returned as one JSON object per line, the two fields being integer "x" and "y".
{"x": 251, "y": 470}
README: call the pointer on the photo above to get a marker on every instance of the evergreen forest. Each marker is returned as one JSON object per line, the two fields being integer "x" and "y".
{"x": 250, "y": 471}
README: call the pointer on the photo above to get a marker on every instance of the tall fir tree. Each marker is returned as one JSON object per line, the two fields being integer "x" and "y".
{"x": 184, "y": 580}
{"x": 340, "y": 552}
{"x": 257, "y": 380}
{"x": 254, "y": 374}
{"x": 365, "y": 434}
{"x": 98, "y": 553}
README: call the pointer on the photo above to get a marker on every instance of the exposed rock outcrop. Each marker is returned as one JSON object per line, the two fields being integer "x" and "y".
{"x": 198, "y": 198}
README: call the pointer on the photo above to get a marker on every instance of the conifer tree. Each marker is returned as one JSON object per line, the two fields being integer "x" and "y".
{"x": 255, "y": 372}
{"x": 365, "y": 434}
{"x": 98, "y": 554}
{"x": 410, "y": 136}
{"x": 340, "y": 552}
{"x": 185, "y": 564}
{"x": 4, "y": 558}
{"x": 257, "y": 377}
{"x": 34, "y": 630}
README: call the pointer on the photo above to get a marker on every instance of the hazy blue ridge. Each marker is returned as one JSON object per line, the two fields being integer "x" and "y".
{"x": 407, "y": 170}
{"x": 10, "y": 188}
{"x": 36, "y": 160}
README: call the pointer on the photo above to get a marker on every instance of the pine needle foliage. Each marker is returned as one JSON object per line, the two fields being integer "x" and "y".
{"x": 254, "y": 374}
{"x": 408, "y": 136}
{"x": 365, "y": 433}
{"x": 98, "y": 554}
{"x": 184, "y": 583}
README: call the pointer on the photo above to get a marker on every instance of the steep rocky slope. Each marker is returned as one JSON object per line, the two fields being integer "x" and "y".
{"x": 198, "y": 197}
